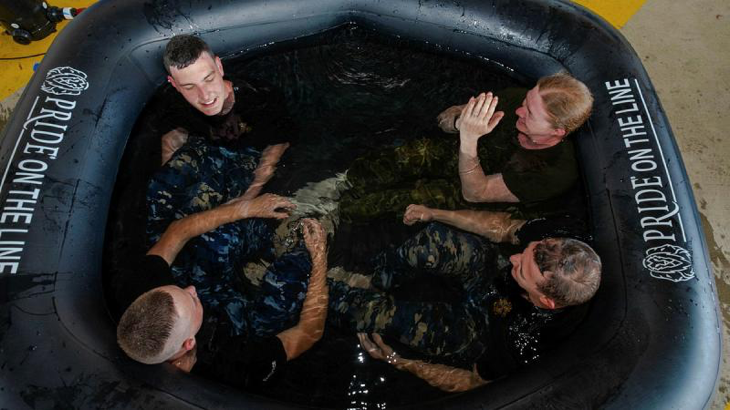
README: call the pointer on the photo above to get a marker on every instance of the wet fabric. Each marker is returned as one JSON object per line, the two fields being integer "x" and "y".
{"x": 233, "y": 359}
{"x": 425, "y": 171}
{"x": 258, "y": 118}
{"x": 434, "y": 328}
{"x": 490, "y": 324}
{"x": 199, "y": 177}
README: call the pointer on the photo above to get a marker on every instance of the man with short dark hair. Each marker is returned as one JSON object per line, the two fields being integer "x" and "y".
{"x": 235, "y": 113}
{"x": 283, "y": 318}
{"x": 506, "y": 315}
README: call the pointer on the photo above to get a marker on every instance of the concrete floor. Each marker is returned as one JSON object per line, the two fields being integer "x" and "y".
{"x": 685, "y": 46}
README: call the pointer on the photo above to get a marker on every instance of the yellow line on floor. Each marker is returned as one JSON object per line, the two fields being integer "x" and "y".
{"x": 15, "y": 71}
{"x": 616, "y": 12}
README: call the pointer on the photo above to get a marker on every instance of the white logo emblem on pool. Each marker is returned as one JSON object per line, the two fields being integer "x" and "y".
{"x": 65, "y": 81}
{"x": 669, "y": 262}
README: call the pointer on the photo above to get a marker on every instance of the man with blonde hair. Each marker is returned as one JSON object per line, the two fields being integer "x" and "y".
{"x": 535, "y": 165}
{"x": 543, "y": 165}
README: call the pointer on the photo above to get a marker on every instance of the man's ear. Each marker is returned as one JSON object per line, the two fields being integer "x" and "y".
{"x": 559, "y": 133}
{"x": 219, "y": 64}
{"x": 172, "y": 82}
{"x": 189, "y": 344}
{"x": 549, "y": 303}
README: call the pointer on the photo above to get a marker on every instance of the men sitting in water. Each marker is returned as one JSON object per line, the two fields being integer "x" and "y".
{"x": 505, "y": 317}
{"x": 167, "y": 323}
{"x": 230, "y": 112}
{"x": 201, "y": 218}
{"x": 535, "y": 165}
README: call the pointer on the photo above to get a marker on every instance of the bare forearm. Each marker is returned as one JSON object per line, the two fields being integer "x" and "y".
{"x": 310, "y": 328}
{"x": 478, "y": 187}
{"x": 446, "y": 378}
{"x": 471, "y": 173}
{"x": 266, "y": 168}
{"x": 181, "y": 231}
{"x": 495, "y": 226}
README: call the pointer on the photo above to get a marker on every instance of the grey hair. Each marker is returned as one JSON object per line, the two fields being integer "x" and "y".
{"x": 572, "y": 269}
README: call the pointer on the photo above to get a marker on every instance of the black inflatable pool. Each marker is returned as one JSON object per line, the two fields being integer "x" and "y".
{"x": 653, "y": 336}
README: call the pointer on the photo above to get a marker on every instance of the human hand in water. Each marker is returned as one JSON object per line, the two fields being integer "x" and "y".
{"x": 377, "y": 349}
{"x": 448, "y": 121}
{"x": 187, "y": 361}
{"x": 479, "y": 118}
{"x": 173, "y": 141}
{"x": 266, "y": 168}
{"x": 417, "y": 213}
{"x": 315, "y": 238}
{"x": 263, "y": 206}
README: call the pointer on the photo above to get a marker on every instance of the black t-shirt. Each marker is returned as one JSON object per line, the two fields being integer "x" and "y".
{"x": 258, "y": 118}
{"x": 239, "y": 361}
{"x": 531, "y": 175}
{"x": 538, "y": 175}
{"x": 520, "y": 332}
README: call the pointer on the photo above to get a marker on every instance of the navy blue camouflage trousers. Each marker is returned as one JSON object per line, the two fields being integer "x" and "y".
{"x": 200, "y": 177}
{"x": 434, "y": 328}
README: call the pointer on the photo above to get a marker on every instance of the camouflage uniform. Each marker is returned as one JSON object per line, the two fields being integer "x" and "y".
{"x": 200, "y": 177}
{"x": 424, "y": 171}
{"x": 434, "y": 328}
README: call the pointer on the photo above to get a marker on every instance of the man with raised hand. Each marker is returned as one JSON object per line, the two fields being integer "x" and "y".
{"x": 489, "y": 164}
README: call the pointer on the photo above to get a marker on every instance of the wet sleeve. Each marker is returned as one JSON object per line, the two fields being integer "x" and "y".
{"x": 169, "y": 111}
{"x": 151, "y": 272}
{"x": 249, "y": 364}
{"x": 513, "y": 346}
{"x": 267, "y": 107}
{"x": 538, "y": 176}
{"x": 497, "y": 360}
{"x": 555, "y": 227}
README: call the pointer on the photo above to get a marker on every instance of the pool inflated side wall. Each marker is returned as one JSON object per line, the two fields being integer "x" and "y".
{"x": 653, "y": 335}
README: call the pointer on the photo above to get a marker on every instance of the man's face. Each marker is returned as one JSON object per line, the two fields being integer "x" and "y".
{"x": 189, "y": 308}
{"x": 201, "y": 84}
{"x": 534, "y": 121}
{"x": 527, "y": 274}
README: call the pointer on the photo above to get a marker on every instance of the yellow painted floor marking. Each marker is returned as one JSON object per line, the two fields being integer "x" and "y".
{"x": 16, "y": 72}
{"x": 616, "y": 12}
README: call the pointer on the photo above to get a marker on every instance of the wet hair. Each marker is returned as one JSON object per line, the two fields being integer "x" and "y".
{"x": 567, "y": 100}
{"x": 145, "y": 327}
{"x": 183, "y": 50}
{"x": 575, "y": 270}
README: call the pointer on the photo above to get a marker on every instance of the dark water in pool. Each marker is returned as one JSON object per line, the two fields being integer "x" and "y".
{"x": 350, "y": 91}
